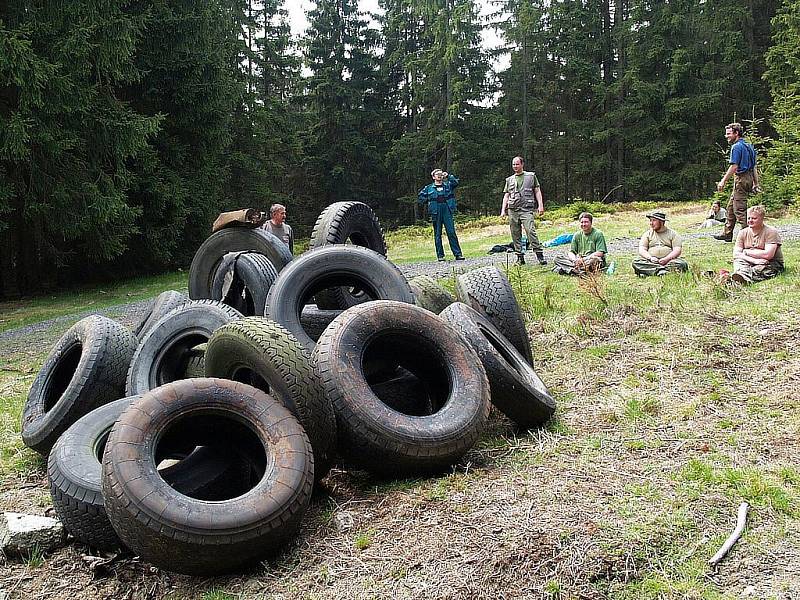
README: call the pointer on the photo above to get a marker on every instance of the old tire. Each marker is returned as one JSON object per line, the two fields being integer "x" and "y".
{"x": 327, "y": 267}
{"x": 169, "y": 349}
{"x": 488, "y": 291}
{"x": 85, "y": 369}
{"x": 343, "y": 223}
{"x": 162, "y": 304}
{"x": 183, "y": 534}
{"x": 428, "y": 294}
{"x": 517, "y": 391}
{"x": 377, "y": 436}
{"x": 243, "y": 280}
{"x": 264, "y": 354}
{"x": 237, "y": 239}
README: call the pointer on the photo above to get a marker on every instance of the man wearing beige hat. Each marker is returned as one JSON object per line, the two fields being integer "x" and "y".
{"x": 659, "y": 248}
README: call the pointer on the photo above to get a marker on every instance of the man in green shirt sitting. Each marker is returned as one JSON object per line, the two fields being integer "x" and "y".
{"x": 587, "y": 253}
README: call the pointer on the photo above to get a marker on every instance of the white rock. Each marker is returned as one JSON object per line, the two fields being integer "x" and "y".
{"x": 344, "y": 520}
{"x": 20, "y": 533}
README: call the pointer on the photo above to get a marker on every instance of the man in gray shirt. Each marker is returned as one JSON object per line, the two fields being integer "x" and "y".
{"x": 277, "y": 226}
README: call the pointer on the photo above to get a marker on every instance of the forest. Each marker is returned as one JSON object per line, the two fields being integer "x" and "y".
{"x": 126, "y": 127}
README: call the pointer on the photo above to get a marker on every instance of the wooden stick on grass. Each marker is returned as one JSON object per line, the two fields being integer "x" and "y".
{"x": 737, "y": 533}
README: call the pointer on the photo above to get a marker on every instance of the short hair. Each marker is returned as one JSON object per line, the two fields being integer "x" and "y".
{"x": 716, "y": 202}
{"x": 737, "y": 127}
{"x": 276, "y": 208}
{"x": 522, "y": 160}
{"x": 588, "y": 215}
{"x": 758, "y": 208}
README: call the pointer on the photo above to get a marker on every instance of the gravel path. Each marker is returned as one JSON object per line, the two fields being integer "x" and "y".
{"x": 32, "y": 338}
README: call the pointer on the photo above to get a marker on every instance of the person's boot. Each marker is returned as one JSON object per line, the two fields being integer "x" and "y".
{"x": 724, "y": 237}
{"x": 520, "y": 259}
{"x": 540, "y": 256}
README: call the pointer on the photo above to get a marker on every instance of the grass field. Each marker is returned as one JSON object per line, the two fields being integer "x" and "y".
{"x": 677, "y": 401}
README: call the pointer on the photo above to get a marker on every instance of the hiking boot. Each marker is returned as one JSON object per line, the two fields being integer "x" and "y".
{"x": 459, "y": 258}
{"x": 520, "y": 259}
{"x": 724, "y": 238}
{"x": 737, "y": 277}
{"x": 440, "y": 259}
{"x": 540, "y": 257}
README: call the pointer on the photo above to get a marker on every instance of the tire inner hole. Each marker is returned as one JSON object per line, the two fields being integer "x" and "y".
{"x": 62, "y": 374}
{"x": 226, "y": 459}
{"x": 406, "y": 373}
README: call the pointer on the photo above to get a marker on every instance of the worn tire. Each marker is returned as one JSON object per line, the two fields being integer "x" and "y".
{"x": 378, "y": 437}
{"x": 243, "y": 280}
{"x": 327, "y": 267}
{"x": 342, "y": 223}
{"x": 162, "y": 304}
{"x": 517, "y": 391}
{"x": 488, "y": 291}
{"x": 264, "y": 354}
{"x": 85, "y": 369}
{"x": 236, "y": 239}
{"x": 167, "y": 351}
{"x": 183, "y": 534}
{"x": 314, "y": 320}
{"x": 428, "y": 294}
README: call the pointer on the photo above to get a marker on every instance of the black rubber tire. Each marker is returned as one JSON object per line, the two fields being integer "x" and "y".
{"x": 183, "y": 534}
{"x": 428, "y": 294}
{"x": 488, "y": 291}
{"x": 243, "y": 280}
{"x": 378, "y": 437}
{"x": 262, "y": 353}
{"x": 85, "y": 369}
{"x": 342, "y": 223}
{"x": 517, "y": 391}
{"x": 314, "y": 320}
{"x": 404, "y": 392}
{"x": 166, "y": 352}
{"x": 236, "y": 239}
{"x": 328, "y": 267}
{"x": 196, "y": 364}
{"x": 162, "y": 304}
{"x": 74, "y": 471}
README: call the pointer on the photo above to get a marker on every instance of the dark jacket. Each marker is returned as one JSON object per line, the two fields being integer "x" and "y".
{"x": 436, "y": 197}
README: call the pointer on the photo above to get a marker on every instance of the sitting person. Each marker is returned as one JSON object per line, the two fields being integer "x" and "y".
{"x": 587, "y": 252}
{"x": 757, "y": 254}
{"x": 659, "y": 248}
{"x": 716, "y": 216}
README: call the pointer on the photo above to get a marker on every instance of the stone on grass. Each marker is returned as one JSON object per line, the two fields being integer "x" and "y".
{"x": 22, "y": 534}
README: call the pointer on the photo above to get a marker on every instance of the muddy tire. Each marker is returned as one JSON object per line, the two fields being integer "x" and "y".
{"x": 517, "y": 391}
{"x": 488, "y": 291}
{"x": 243, "y": 280}
{"x": 342, "y": 223}
{"x": 184, "y": 534}
{"x": 262, "y": 353}
{"x": 167, "y": 351}
{"x": 163, "y": 303}
{"x": 84, "y": 370}
{"x": 314, "y": 320}
{"x": 428, "y": 294}
{"x": 238, "y": 239}
{"x": 327, "y": 267}
{"x": 372, "y": 434}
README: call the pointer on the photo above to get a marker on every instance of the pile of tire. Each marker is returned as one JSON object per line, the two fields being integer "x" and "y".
{"x": 195, "y": 439}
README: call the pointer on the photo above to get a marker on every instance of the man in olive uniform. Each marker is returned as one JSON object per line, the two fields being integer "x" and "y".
{"x": 587, "y": 252}
{"x": 660, "y": 249}
{"x": 521, "y": 196}
{"x": 757, "y": 254}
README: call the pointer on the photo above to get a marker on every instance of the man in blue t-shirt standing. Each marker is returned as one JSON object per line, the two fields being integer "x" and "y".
{"x": 745, "y": 179}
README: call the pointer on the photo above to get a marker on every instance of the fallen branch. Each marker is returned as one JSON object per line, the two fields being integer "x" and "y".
{"x": 732, "y": 539}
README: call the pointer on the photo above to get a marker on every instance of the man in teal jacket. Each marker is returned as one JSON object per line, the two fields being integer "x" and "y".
{"x": 441, "y": 207}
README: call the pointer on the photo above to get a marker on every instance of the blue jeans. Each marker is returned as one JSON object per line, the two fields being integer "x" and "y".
{"x": 444, "y": 217}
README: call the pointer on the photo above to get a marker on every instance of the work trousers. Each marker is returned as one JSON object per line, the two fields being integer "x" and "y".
{"x": 646, "y": 268}
{"x": 564, "y": 265}
{"x": 444, "y": 217}
{"x": 737, "y": 203}
{"x": 755, "y": 273}
{"x": 517, "y": 219}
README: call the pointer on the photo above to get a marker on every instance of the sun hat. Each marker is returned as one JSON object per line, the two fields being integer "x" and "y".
{"x": 657, "y": 214}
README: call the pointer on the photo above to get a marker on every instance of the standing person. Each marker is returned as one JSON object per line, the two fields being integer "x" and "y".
{"x": 660, "y": 248}
{"x": 757, "y": 254}
{"x": 716, "y": 216}
{"x": 587, "y": 252}
{"x": 441, "y": 201}
{"x": 277, "y": 226}
{"x": 745, "y": 179}
{"x": 520, "y": 196}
